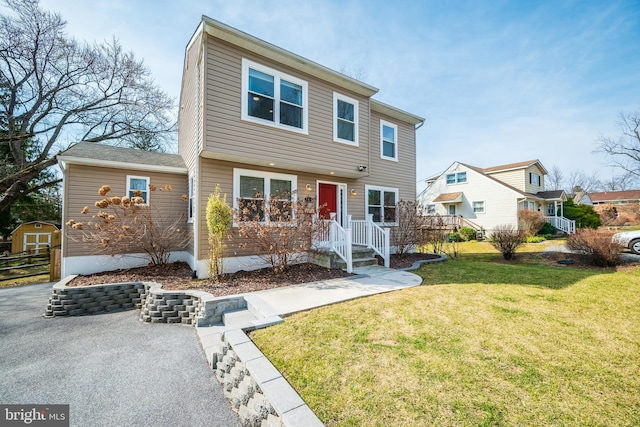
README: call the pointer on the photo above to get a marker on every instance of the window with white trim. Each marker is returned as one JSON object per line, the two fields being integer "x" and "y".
{"x": 345, "y": 119}
{"x": 138, "y": 186}
{"x": 431, "y": 209}
{"x": 478, "y": 206}
{"x": 388, "y": 141}
{"x": 456, "y": 178}
{"x": 191, "y": 199}
{"x": 273, "y": 98}
{"x": 264, "y": 196}
{"x": 381, "y": 203}
{"x": 527, "y": 205}
{"x": 534, "y": 179}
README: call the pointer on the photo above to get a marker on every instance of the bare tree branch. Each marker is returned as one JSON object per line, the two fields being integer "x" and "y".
{"x": 55, "y": 92}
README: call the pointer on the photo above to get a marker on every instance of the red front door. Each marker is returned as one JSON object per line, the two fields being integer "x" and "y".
{"x": 327, "y": 200}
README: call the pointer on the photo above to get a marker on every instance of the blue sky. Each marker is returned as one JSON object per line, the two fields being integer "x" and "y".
{"x": 497, "y": 81}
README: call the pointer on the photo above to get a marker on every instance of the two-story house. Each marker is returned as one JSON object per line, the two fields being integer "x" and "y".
{"x": 258, "y": 120}
{"x": 485, "y": 198}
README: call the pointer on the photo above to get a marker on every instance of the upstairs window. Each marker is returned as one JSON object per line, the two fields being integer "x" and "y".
{"x": 534, "y": 179}
{"x": 273, "y": 98}
{"x": 388, "y": 141}
{"x": 138, "y": 186}
{"x": 456, "y": 178}
{"x": 345, "y": 119}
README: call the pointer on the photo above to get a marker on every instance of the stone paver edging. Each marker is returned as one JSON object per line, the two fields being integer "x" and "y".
{"x": 416, "y": 265}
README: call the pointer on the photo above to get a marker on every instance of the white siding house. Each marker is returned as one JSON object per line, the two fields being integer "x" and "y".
{"x": 485, "y": 198}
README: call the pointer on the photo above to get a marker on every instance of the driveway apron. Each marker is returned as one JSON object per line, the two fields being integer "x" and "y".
{"x": 111, "y": 369}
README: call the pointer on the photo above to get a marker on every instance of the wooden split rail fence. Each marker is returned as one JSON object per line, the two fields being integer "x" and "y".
{"x": 28, "y": 264}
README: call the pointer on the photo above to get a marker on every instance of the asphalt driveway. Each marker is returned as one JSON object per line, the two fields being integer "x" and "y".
{"x": 111, "y": 369}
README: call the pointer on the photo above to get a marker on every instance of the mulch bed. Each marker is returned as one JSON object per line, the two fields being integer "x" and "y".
{"x": 177, "y": 276}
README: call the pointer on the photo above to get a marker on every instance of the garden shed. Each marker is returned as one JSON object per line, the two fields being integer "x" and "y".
{"x": 35, "y": 237}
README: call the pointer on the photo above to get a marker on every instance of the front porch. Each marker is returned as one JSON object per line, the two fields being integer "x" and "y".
{"x": 356, "y": 244}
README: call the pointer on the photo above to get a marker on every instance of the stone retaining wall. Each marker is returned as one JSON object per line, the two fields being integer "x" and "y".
{"x": 256, "y": 389}
{"x": 156, "y": 304}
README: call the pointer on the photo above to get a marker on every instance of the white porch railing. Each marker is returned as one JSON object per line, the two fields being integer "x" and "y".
{"x": 368, "y": 233}
{"x": 333, "y": 236}
{"x": 561, "y": 223}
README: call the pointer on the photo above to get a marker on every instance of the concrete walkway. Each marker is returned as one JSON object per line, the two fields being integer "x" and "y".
{"x": 266, "y": 308}
{"x": 368, "y": 281}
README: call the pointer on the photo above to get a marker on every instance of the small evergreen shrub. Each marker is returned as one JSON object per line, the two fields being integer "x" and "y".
{"x": 547, "y": 230}
{"x": 598, "y": 246}
{"x": 467, "y": 233}
{"x": 455, "y": 237}
{"x": 535, "y": 239}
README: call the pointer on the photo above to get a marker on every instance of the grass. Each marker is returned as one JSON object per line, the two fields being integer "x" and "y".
{"x": 11, "y": 283}
{"x": 481, "y": 343}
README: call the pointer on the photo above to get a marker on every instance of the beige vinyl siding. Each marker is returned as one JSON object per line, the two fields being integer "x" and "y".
{"x": 82, "y": 184}
{"x": 515, "y": 178}
{"x": 188, "y": 120}
{"x": 231, "y": 138}
{"x": 388, "y": 173}
{"x": 530, "y": 188}
{"x": 221, "y": 172}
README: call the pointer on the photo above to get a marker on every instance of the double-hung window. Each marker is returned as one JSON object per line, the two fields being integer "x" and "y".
{"x": 431, "y": 209}
{"x": 534, "y": 179}
{"x": 138, "y": 186}
{"x": 345, "y": 119}
{"x": 478, "y": 207}
{"x": 381, "y": 203}
{"x": 456, "y": 178}
{"x": 388, "y": 141}
{"x": 264, "y": 196}
{"x": 273, "y": 98}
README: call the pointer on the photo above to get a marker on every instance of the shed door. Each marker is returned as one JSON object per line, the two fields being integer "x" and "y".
{"x": 36, "y": 242}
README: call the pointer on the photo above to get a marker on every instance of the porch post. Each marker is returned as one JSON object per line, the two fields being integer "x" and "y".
{"x": 369, "y": 230}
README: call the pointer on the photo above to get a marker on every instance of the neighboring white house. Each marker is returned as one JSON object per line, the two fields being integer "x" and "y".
{"x": 485, "y": 198}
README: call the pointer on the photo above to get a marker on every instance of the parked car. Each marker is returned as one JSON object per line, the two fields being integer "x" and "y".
{"x": 629, "y": 239}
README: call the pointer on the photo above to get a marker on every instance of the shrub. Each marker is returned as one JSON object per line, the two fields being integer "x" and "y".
{"x": 455, "y": 237}
{"x": 410, "y": 217}
{"x": 535, "y": 239}
{"x": 547, "y": 230}
{"x": 584, "y": 216}
{"x": 467, "y": 233}
{"x": 507, "y": 239}
{"x": 219, "y": 220}
{"x": 531, "y": 222}
{"x": 280, "y": 231}
{"x": 126, "y": 226}
{"x": 433, "y": 233}
{"x": 598, "y": 246}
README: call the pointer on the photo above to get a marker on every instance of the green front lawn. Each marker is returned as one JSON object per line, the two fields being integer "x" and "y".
{"x": 480, "y": 343}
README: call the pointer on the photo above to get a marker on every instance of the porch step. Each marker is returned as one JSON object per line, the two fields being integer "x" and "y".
{"x": 359, "y": 262}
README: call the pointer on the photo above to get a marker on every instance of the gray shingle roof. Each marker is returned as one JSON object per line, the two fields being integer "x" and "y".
{"x": 109, "y": 153}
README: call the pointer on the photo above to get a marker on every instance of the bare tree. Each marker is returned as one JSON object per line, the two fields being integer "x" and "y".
{"x": 625, "y": 181}
{"x": 554, "y": 179}
{"x": 581, "y": 181}
{"x": 624, "y": 150}
{"x": 55, "y": 91}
